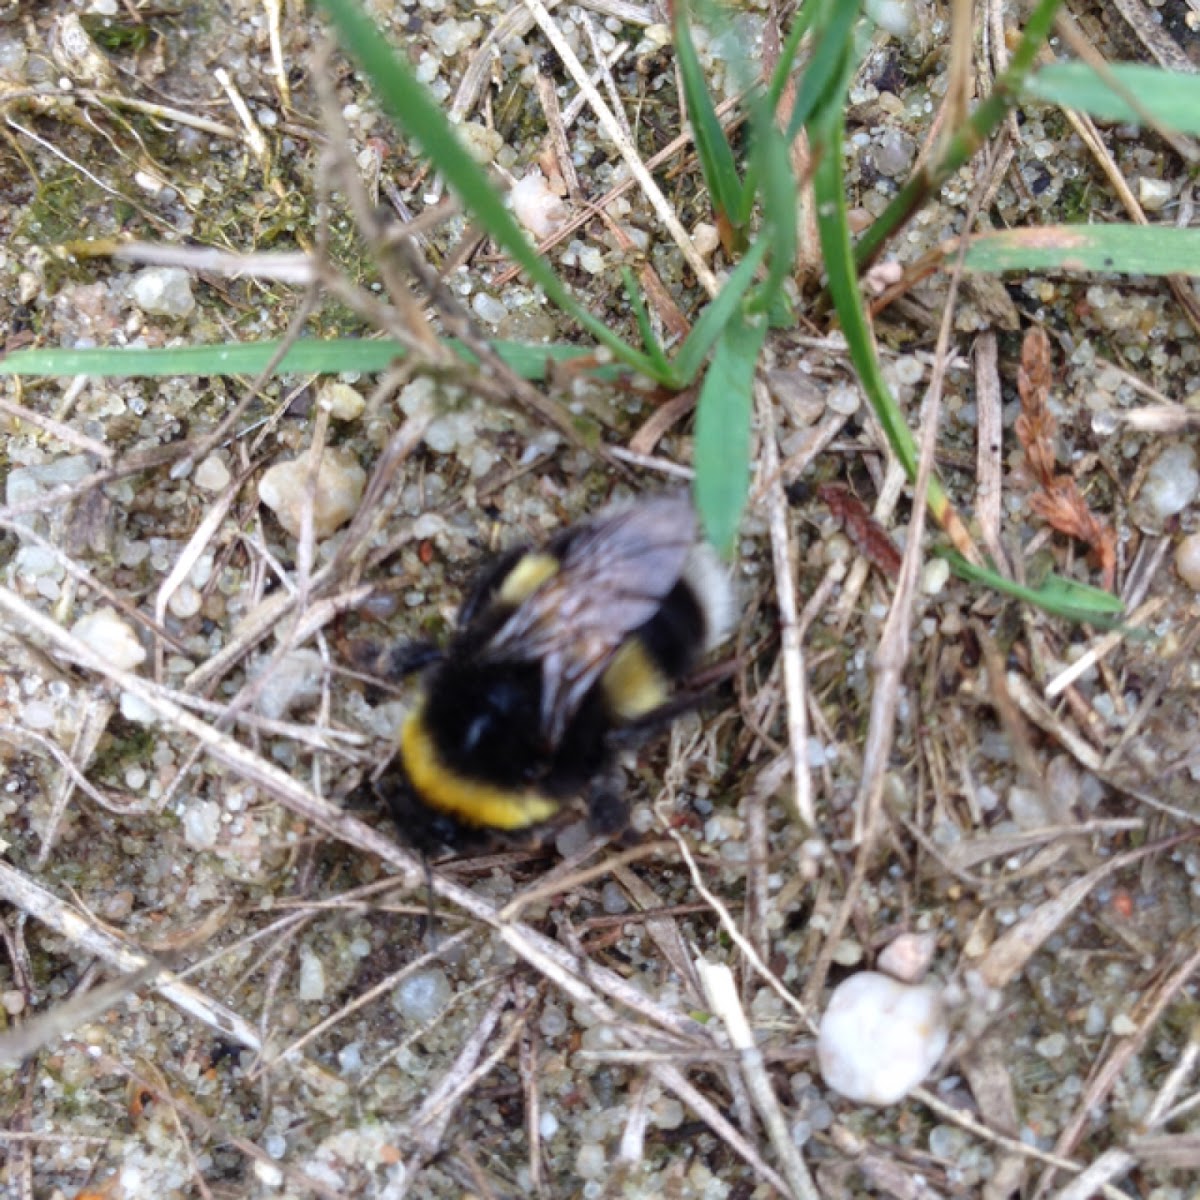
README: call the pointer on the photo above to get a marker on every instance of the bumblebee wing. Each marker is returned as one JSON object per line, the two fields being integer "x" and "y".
{"x": 614, "y": 573}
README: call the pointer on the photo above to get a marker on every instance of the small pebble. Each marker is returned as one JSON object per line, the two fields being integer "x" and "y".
{"x": 934, "y": 576}
{"x": 336, "y": 494}
{"x": 1187, "y": 561}
{"x": 422, "y": 996}
{"x": 111, "y": 637}
{"x": 163, "y": 292}
{"x": 1171, "y": 484}
{"x": 184, "y": 602}
{"x": 292, "y": 683}
{"x": 880, "y": 1038}
{"x": 613, "y": 898}
{"x": 536, "y": 206}
{"x": 212, "y": 475}
{"x": 201, "y": 824}
{"x": 1153, "y": 193}
{"x": 908, "y": 956}
{"x": 844, "y": 399}
{"x": 312, "y": 977}
{"x": 343, "y": 402}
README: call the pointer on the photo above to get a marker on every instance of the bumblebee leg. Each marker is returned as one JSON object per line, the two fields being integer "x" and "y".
{"x": 406, "y": 659}
{"x": 608, "y": 813}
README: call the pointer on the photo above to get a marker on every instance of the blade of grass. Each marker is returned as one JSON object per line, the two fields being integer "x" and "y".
{"x": 1169, "y": 97}
{"x": 691, "y": 355}
{"x": 416, "y": 114}
{"x": 1059, "y": 596}
{"x": 778, "y": 194}
{"x": 724, "y": 409}
{"x": 1129, "y": 249}
{"x": 717, "y": 163}
{"x": 642, "y": 315}
{"x": 305, "y": 357}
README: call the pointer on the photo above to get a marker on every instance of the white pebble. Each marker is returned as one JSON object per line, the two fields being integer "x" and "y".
{"x": 422, "y": 996}
{"x": 212, "y": 475}
{"x": 880, "y": 1038}
{"x": 1187, "y": 561}
{"x": 184, "y": 602}
{"x": 201, "y": 824}
{"x": 343, "y": 402}
{"x": 843, "y": 399}
{"x": 536, "y": 206}
{"x": 1153, "y": 193}
{"x": 336, "y": 494}
{"x": 163, "y": 291}
{"x": 312, "y": 977}
{"x": 293, "y": 682}
{"x": 934, "y": 575}
{"x": 907, "y": 957}
{"x": 111, "y": 637}
{"x": 1171, "y": 485}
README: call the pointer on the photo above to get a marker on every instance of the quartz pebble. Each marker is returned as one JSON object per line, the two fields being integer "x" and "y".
{"x": 1187, "y": 561}
{"x": 337, "y": 491}
{"x": 163, "y": 292}
{"x": 536, "y": 206}
{"x": 212, "y": 475}
{"x": 907, "y": 957}
{"x": 291, "y": 683}
{"x": 343, "y": 402}
{"x": 111, "y": 637}
{"x": 421, "y": 997}
{"x": 880, "y": 1038}
{"x": 1171, "y": 485}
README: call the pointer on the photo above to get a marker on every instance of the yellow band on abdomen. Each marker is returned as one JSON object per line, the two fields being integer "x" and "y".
{"x": 468, "y": 800}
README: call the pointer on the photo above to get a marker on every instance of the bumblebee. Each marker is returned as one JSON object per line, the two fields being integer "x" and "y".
{"x": 562, "y": 656}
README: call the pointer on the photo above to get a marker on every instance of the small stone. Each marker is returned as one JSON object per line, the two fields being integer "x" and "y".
{"x": 291, "y": 683}
{"x": 706, "y": 239}
{"x": 184, "y": 602}
{"x": 908, "y": 956}
{"x": 201, "y": 824}
{"x": 13, "y": 1002}
{"x": 844, "y": 399}
{"x": 536, "y": 206}
{"x": 880, "y": 1038}
{"x": 1187, "y": 561}
{"x": 422, "y": 996}
{"x": 163, "y": 292}
{"x": 343, "y": 402}
{"x": 1123, "y": 1026}
{"x": 312, "y": 977}
{"x": 111, "y": 637}
{"x": 1171, "y": 484}
{"x": 934, "y": 576}
{"x": 212, "y": 475}
{"x": 1153, "y": 193}
{"x": 336, "y": 494}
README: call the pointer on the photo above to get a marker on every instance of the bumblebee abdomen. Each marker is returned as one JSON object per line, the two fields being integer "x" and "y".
{"x": 442, "y": 786}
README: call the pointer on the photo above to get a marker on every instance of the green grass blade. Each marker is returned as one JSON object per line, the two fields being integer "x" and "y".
{"x": 691, "y": 355}
{"x": 834, "y": 41}
{"x": 778, "y": 193}
{"x": 1125, "y": 249}
{"x": 723, "y": 417}
{"x": 415, "y": 113}
{"x": 653, "y": 347}
{"x": 1172, "y": 98}
{"x": 1061, "y": 597}
{"x": 308, "y": 356}
{"x": 713, "y": 150}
